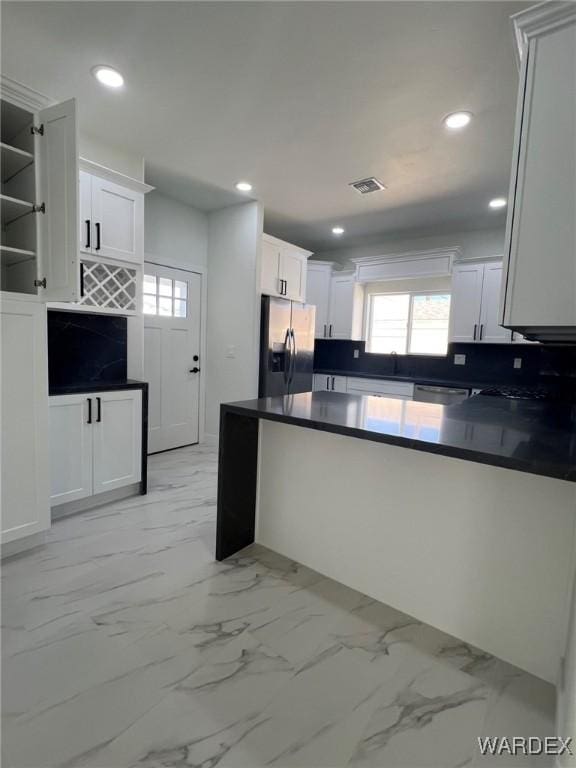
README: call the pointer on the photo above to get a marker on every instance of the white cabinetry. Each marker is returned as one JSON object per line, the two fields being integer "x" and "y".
{"x": 540, "y": 261}
{"x": 346, "y": 307}
{"x": 318, "y": 293}
{"x": 474, "y": 311}
{"x": 39, "y": 195}
{"x": 24, "y": 412}
{"x": 111, "y": 219}
{"x": 399, "y": 390}
{"x": 283, "y": 269}
{"x": 328, "y": 383}
{"x": 96, "y": 443}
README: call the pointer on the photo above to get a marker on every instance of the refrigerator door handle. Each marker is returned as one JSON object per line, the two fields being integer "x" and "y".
{"x": 294, "y": 353}
{"x": 287, "y": 356}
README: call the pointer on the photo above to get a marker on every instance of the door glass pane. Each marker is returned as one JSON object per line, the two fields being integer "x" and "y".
{"x": 180, "y": 289}
{"x": 179, "y": 308}
{"x": 149, "y": 284}
{"x": 164, "y": 306}
{"x": 165, "y": 287}
{"x": 430, "y": 317}
{"x": 149, "y": 305}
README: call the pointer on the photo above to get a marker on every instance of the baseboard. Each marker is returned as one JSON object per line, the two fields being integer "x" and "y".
{"x": 92, "y": 502}
{"x": 210, "y": 439}
{"x": 23, "y": 546}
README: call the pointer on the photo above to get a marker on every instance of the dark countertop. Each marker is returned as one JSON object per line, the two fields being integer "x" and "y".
{"x": 430, "y": 382}
{"x": 79, "y": 389}
{"x": 525, "y": 435}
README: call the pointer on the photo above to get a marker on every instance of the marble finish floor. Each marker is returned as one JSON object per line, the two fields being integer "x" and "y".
{"x": 125, "y": 644}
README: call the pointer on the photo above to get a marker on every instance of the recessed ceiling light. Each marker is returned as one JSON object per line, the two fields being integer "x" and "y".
{"x": 337, "y": 230}
{"x": 108, "y": 76}
{"x": 498, "y": 202}
{"x": 457, "y": 120}
{"x": 244, "y": 186}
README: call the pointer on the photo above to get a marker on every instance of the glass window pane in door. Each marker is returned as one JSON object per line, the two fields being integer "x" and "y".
{"x": 180, "y": 289}
{"x": 164, "y": 306}
{"x": 149, "y": 284}
{"x": 165, "y": 286}
{"x": 179, "y": 308}
{"x": 149, "y": 305}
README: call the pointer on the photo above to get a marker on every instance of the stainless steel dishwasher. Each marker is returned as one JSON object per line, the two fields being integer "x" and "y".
{"x": 442, "y": 395}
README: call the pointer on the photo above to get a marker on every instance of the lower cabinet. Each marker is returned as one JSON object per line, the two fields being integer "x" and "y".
{"x": 95, "y": 443}
{"x": 24, "y": 410}
{"x": 325, "y": 383}
{"x": 400, "y": 390}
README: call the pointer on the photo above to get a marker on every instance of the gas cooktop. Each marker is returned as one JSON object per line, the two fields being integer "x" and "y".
{"x": 544, "y": 394}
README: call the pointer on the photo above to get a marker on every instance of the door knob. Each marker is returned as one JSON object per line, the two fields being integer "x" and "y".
{"x": 194, "y": 370}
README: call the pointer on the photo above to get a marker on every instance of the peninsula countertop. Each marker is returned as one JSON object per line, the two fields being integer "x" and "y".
{"x": 527, "y": 436}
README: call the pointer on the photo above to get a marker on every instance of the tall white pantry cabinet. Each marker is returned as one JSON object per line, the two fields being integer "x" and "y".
{"x": 39, "y": 263}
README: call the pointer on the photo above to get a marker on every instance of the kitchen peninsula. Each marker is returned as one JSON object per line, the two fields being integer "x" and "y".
{"x": 463, "y": 516}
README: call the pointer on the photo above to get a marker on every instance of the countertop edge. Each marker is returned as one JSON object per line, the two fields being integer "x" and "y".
{"x": 84, "y": 389}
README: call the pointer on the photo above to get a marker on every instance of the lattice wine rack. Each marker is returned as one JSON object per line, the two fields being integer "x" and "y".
{"x": 108, "y": 286}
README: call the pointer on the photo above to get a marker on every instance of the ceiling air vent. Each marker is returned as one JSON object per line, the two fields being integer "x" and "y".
{"x": 365, "y": 186}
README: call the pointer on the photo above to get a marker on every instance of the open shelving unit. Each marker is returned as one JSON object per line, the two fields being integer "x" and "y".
{"x": 18, "y": 203}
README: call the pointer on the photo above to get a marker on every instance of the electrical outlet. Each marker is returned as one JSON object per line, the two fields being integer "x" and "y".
{"x": 459, "y": 359}
{"x": 517, "y": 362}
{"x": 356, "y": 354}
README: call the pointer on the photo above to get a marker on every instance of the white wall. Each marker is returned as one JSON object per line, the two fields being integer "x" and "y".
{"x": 234, "y": 248}
{"x": 566, "y": 718}
{"x": 176, "y": 235}
{"x": 475, "y": 244}
{"x": 121, "y": 160}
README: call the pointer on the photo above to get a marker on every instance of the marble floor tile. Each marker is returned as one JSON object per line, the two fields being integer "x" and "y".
{"x": 125, "y": 645}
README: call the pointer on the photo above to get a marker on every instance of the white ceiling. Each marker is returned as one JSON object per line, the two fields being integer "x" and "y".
{"x": 299, "y": 98}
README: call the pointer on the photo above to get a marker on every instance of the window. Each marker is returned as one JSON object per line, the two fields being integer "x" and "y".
{"x": 408, "y": 323}
{"x": 166, "y": 297}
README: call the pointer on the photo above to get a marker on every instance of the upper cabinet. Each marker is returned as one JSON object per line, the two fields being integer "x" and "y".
{"x": 318, "y": 293}
{"x": 39, "y": 197}
{"x": 283, "y": 270}
{"x": 474, "y": 311}
{"x": 346, "y": 307}
{"x": 539, "y": 296}
{"x": 111, "y": 219}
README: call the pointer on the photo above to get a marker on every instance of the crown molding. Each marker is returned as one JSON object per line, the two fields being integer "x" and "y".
{"x": 111, "y": 175}
{"x": 538, "y": 20}
{"x": 454, "y": 251}
{"x": 22, "y": 95}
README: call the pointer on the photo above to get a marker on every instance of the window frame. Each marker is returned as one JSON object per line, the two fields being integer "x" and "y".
{"x": 411, "y": 294}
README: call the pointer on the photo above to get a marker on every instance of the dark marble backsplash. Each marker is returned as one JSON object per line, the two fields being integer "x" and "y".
{"x": 485, "y": 363}
{"x": 86, "y": 349}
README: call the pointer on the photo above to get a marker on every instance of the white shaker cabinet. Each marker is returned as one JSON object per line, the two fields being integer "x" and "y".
{"x": 96, "y": 443}
{"x": 24, "y": 413}
{"x": 283, "y": 269}
{"x": 111, "y": 219}
{"x": 318, "y": 293}
{"x": 328, "y": 383}
{"x": 346, "y": 307}
{"x": 475, "y": 302}
{"x": 540, "y": 256}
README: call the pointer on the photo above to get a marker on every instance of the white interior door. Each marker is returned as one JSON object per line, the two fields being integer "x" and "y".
{"x": 172, "y": 315}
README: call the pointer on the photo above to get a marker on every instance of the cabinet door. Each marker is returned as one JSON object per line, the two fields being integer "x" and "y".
{"x": 293, "y": 272}
{"x": 341, "y": 308}
{"x": 117, "y": 215}
{"x": 58, "y": 186}
{"x": 71, "y": 426}
{"x": 318, "y": 293}
{"x": 270, "y": 272}
{"x": 338, "y": 384}
{"x": 541, "y": 227}
{"x": 117, "y": 435}
{"x": 491, "y": 332}
{"x": 24, "y": 411}
{"x": 86, "y": 228}
{"x": 322, "y": 382}
{"x": 465, "y": 302}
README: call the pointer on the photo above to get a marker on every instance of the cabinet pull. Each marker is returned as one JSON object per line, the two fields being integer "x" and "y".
{"x": 88, "y": 231}
{"x": 330, "y": 330}
{"x": 475, "y": 330}
{"x": 81, "y": 279}
{"x": 98, "y": 234}
{"x": 99, "y": 414}
{"x": 328, "y": 382}
{"x": 89, "y": 399}
{"x": 481, "y": 330}
{"x": 324, "y": 330}
{"x": 332, "y": 383}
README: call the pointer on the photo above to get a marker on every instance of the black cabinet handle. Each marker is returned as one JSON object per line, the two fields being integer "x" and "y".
{"x": 324, "y": 330}
{"x": 88, "y": 230}
{"x": 81, "y": 279}
{"x": 481, "y": 330}
{"x": 98, "y": 235}
{"x": 330, "y": 331}
{"x": 327, "y": 382}
{"x": 89, "y": 399}
{"x": 332, "y": 383}
{"x": 99, "y": 414}
{"x": 475, "y": 330}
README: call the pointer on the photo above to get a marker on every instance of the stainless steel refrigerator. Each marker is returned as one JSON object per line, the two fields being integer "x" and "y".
{"x": 286, "y": 347}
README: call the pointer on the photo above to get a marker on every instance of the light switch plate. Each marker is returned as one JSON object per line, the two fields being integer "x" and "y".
{"x": 517, "y": 362}
{"x": 356, "y": 354}
{"x": 459, "y": 359}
